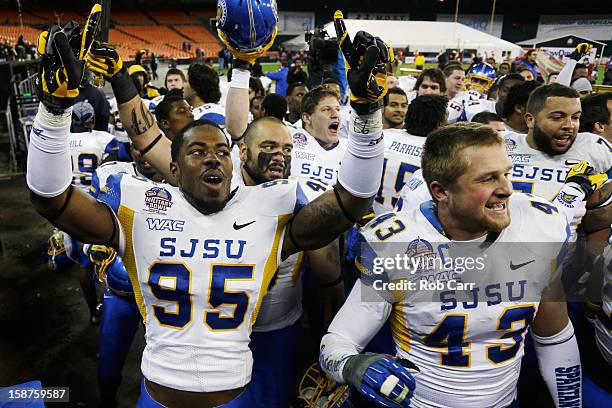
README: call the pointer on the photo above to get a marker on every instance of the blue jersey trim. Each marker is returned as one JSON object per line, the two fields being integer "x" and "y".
{"x": 428, "y": 209}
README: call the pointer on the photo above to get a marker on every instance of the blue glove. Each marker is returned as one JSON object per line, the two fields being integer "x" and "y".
{"x": 381, "y": 378}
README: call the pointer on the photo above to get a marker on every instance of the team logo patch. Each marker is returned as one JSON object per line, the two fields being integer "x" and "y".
{"x": 221, "y": 12}
{"x": 158, "y": 199}
{"x": 422, "y": 254}
{"x": 300, "y": 139}
{"x": 510, "y": 145}
{"x": 567, "y": 199}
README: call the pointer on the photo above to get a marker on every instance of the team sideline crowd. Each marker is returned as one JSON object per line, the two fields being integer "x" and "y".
{"x": 446, "y": 240}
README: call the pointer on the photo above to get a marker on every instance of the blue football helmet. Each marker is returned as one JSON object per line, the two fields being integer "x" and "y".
{"x": 247, "y": 27}
{"x": 480, "y": 77}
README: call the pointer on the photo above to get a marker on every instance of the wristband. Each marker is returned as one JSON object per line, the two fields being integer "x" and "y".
{"x": 240, "y": 79}
{"x": 123, "y": 87}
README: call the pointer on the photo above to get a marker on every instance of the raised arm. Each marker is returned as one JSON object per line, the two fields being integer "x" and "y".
{"x": 49, "y": 168}
{"x": 565, "y": 76}
{"x": 322, "y": 220}
{"x": 138, "y": 121}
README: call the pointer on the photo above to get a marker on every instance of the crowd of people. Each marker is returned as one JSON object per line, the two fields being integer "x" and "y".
{"x": 19, "y": 51}
{"x": 234, "y": 218}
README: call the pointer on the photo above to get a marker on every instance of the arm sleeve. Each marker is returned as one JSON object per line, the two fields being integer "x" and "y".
{"x": 565, "y": 76}
{"x": 559, "y": 361}
{"x": 356, "y": 323}
{"x": 275, "y": 75}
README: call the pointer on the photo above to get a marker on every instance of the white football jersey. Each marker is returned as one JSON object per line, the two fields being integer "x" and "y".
{"x": 108, "y": 169}
{"x": 402, "y": 158}
{"x": 117, "y": 129}
{"x": 282, "y": 305}
{"x": 467, "y": 340}
{"x": 603, "y": 322}
{"x": 199, "y": 279}
{"x": 538, "y": 173}
{"x": 87, "y": 150}
{"x": 471, "y": 108}
{"x": 456, "y": 106}
{"x": 310, "y": 160}
{"x": 211, "y": 111}
{"x": 413, "y": 193}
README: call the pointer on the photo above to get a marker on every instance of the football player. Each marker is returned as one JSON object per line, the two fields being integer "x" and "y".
{"x": 471, "y": 336}
{"x": 396, "y": 106}
{"x": 266, "y": 156}
{"x": 403, "y": 148}
{"x": 172, "y": 114}
{"x": 201, "y": 266}
{"x": 455, "y": 79}
{"x": 295, "y": 93}
{"x": 203, "y": 93}
{"x": 317, "y": 146}
{"x": 553, "y": 144}
{"x": 479, "y": 79}
{"x": 515, "y": 106}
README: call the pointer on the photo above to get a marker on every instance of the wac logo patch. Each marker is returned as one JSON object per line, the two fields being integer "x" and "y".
{"x": 160, "y": 224}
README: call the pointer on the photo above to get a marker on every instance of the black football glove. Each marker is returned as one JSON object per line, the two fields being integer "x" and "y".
{"x": 365, "y": 60}
{"x": 585, "y": 176}
{"x": 104, "y": 59}
{"x": 62, "y": 65}
{"x": 581, "y": 50}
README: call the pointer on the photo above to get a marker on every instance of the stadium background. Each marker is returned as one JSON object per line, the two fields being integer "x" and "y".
{"x": 47, "y": 335}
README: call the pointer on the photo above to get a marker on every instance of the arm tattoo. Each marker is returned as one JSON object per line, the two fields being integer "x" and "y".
{"x": 143, "y": 122}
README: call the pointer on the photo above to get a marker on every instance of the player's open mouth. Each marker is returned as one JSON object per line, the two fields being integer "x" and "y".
{"x": 276, "y": 170}
{"x": 213, "y": 178}
{"x": 562, "y": 140}
{"x": 497, "y": 207}
{"x": 333, "y": 127}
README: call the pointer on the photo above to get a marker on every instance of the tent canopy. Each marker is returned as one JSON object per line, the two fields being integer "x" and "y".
{"x": 428, "y": 36}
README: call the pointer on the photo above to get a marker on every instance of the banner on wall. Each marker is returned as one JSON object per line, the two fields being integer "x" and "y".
{"x": 378, "y": 16}
{"x": 295, "y": 23}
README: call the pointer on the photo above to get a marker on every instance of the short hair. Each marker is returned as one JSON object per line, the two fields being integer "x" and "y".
{"x": 253, "y": 125}
{"x": 504, "y": 63}
{"x": 294, "y": 85}
{"x": 435, "y": 75}
{"x": 450, "y": 67}
{"x": 162, "y": 111}
{"x": 175, "y": 71}
{"x": 518, "y": 95}
{"x": 485, "y": 117}
{"x": 330, "y": 80}
{"x": 205, "y": 82}
{"x": 274, "y": 105}
{"x": 513, "y": 75}
{"x": 531, "y": 51}
{"x": 178, "y": 139}
{"x": 442, "y": 160}
{"x": 394, "y": 91}
{"x": 594, "y": 110}
{"x": 256, "y": 85}
{"x": 425, "y": 114}
{"x": 537, "y": 99}
{"x": 258, "y": 97}
{"x": 313, "y": 97}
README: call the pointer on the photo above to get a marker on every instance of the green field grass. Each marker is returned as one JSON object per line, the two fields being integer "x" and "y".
{"x": 273, "y": 66}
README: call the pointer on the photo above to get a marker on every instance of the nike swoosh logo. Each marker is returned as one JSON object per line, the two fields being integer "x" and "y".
{"x": 515, "y": 267}
{"x": 240, "y": 226}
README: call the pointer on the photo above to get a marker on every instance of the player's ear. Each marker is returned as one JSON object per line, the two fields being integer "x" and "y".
{"x": 437, "y": 191}
{"x": 243, "y": 152}
{"x": 175, "y": 171}
{"x": 529, "y": 120}
{"x": 164, "y": 124}
{"x": 598, "y": 128}
{"x": 306, "y": 118}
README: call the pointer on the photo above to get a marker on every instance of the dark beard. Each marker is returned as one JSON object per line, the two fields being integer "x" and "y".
{"x": 544, "y": 143}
